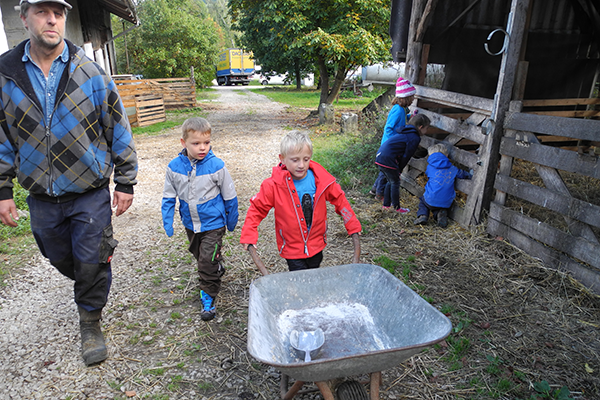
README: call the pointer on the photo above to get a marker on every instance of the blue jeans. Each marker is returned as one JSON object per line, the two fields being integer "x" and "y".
{"x": 391, "y": 194}
{"x": 76, "y": 236}
{"x": 425, "y": 208}
{"x": 379, "y": 185}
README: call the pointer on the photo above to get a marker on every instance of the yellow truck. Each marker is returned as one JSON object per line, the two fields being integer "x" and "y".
{"x": 234, "y": 66}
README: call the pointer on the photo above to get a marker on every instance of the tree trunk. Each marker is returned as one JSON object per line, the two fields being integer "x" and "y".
{"x": 340, "y": 76}
{"x": 297, "y": 72}
{"x": 324, "y": 80}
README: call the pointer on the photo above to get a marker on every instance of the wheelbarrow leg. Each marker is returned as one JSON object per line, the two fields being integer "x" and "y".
{"x": 325, "y": 391}
{"x": 289, "y": 394}
{"x": 374, "y": 387}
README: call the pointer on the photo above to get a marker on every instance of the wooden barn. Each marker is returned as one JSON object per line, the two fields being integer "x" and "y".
{"x": 88, "y": 26}
{"x": 519, "y": 105}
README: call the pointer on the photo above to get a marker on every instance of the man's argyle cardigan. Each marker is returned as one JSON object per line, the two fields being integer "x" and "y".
{"x": 89, "y": 133}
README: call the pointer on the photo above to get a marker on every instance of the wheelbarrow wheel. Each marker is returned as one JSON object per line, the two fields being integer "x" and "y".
{"x": 352, "y": 390}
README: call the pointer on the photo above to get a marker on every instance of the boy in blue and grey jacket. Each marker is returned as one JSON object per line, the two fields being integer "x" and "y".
{"x": 207, "y": 204}
{"x": 439, "y": 190}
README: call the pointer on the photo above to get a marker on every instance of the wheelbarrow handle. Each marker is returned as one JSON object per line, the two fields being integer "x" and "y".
{"x": 356, "y": 243}
{"x": 259, "y": 264}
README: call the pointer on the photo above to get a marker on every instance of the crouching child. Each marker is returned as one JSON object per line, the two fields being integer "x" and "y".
{"x": 439, "y": 190}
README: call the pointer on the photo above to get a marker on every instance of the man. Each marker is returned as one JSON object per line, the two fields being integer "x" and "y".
{"x": 63, "y": 129}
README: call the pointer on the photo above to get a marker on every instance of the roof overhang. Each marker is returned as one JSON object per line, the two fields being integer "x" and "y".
{"x": 121, "y": 8}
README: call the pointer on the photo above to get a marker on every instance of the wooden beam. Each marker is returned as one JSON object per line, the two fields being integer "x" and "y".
{"x": 585, "y": 129}
{"x": 550, "y": 257}
{"x": 462, "y": 101}
{"x": 552, "y": 157}
{"x": 552, "y": 200}
{"x": 561, "y": 102}
{"x": 456, "y": 127}
{"x": 575, "y": 247}
{"x": 425, "y": 20}
{"x": 490, "y": 155}
{"x": 414, "y": 47}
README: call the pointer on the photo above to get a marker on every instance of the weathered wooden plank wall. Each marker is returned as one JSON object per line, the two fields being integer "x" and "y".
{"x": 575, "y": 248}
{"x": 462, "y": 119}
{"x": 489, "y": 136}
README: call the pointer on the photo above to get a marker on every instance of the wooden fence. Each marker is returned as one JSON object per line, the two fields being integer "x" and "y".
{"x": 143, "y": 94}
{"x": 548, "y": 139}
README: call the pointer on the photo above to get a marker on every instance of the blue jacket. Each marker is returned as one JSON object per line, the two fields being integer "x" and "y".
{"x": 396, "y": 121}
{"x": 88, "y": 137}
{"x": 207, "y": 197}
{"x": 439, "y": 190}
{"x": 396, "y": 152}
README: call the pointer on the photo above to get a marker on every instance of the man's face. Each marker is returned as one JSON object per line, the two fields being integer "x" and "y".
{"x": 297, "y": 162}
{"x": 197, "y": 144}
{"x": 46, "y": 24}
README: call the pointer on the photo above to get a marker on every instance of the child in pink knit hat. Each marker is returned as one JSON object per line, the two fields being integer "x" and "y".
{"x": 397, "y": 117}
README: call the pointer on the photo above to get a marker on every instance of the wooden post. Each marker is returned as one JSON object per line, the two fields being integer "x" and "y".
{"x": 420, "y": 18}
{"x": 483, "y": 182}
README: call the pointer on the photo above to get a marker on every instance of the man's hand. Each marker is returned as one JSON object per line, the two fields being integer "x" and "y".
{"x": 8, "y": 212}
{"x": 122, "y": 201}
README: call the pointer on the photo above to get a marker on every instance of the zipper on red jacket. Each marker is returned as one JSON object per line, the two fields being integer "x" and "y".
{"x": 317, "y": 197}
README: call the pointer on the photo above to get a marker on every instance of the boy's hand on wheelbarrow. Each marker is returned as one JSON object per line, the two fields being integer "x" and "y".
{"x": 259, "y": 264}
{"x": 356, "y": 243}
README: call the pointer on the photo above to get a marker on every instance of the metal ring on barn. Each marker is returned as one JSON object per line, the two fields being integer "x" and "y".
{"x": 504, "y": 46}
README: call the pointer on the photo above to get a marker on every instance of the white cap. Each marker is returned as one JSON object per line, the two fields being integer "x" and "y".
{"x": 62, "y": 2}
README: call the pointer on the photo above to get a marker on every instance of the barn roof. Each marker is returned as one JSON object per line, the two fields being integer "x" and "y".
{"x": 121, "y": 8}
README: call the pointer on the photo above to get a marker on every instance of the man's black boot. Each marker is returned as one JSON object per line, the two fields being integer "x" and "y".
{"x": 93, "y": 348}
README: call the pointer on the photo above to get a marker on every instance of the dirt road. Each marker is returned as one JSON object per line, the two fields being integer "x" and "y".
{"x": 159, "y": 348}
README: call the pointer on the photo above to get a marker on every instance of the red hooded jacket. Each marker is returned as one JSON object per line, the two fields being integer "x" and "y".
{"x": 294, "y": 240}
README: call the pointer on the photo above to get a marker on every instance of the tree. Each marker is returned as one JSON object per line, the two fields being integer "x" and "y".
{"x": 335, "y": 35}
{"x": 174, "y": 35}
{"x": 220, "y": 13}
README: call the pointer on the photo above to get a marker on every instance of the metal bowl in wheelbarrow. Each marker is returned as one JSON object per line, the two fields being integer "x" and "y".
{"x": 370, "y": 319}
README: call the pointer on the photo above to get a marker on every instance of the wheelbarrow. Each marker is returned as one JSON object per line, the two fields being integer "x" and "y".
{"x": 371, "y": 321}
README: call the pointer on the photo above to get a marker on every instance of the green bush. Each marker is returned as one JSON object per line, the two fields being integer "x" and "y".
{"x": 351, "y": 158}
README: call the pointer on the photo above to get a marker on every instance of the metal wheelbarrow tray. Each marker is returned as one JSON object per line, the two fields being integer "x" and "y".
{"x": 371, "y": 321}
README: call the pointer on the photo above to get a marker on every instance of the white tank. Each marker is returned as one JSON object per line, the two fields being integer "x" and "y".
{"x": 383, "y": 74}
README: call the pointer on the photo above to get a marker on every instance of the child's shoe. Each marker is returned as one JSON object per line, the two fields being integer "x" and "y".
{"x": 379, "y": 197}
{"x": 442, "y": 218}
{"x": 372, "y": 193}
{"x": 421, "y": 220}
{"x": 386, "y": 208}
{"x": 208, "y": 309}
{"x": 402, "y": 210}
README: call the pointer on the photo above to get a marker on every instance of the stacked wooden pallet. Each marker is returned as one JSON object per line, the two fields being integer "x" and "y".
{"x": 147, "y": 99}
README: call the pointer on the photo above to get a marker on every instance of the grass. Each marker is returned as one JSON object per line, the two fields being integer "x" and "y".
{"x": 350, "y": 158}
{"x": 174, "y": 118}
{"x": 309, "y": 97}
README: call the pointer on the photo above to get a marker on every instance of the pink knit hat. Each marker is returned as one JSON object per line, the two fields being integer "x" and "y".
{"x": 404, "y": 88}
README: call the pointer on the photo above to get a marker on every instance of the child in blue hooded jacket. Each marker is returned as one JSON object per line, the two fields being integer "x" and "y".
{"x": 439, "y": 190}
{"x": 208, "y": 204}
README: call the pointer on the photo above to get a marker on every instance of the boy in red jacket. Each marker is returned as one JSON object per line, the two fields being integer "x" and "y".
{"x": 298, "y": 190}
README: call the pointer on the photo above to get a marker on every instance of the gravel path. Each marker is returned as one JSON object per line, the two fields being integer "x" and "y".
{"x": 39, "y": 334}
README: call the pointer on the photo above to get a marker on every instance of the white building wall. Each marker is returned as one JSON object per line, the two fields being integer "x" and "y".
{"x": 15, "y": 33}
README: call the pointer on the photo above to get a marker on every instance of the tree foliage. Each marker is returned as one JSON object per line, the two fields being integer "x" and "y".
{"x": 334, "y": 35}
{"x": 174, "y": 35}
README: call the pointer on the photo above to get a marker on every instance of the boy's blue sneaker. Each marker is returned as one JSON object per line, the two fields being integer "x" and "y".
{"x": 208, "y": 309}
